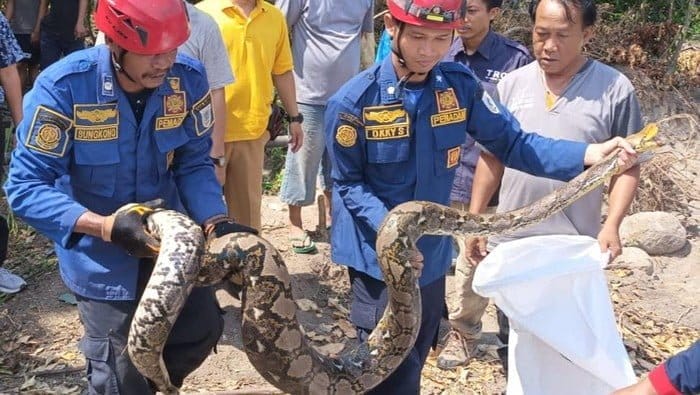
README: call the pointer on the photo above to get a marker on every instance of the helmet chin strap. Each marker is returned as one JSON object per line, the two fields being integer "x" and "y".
{"x": 117, "y": 61}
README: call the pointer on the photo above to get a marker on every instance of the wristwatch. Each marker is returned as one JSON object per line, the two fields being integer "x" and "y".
{"x": 297, "y": 118}
{"x": 219, "y": 161}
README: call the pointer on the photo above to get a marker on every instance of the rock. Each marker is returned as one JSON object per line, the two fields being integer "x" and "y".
{"x": 635, "y": 259}
{"x": 656, "y": 232}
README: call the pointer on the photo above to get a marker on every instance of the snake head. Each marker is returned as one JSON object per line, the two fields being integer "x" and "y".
{"x": 645, "y": 139}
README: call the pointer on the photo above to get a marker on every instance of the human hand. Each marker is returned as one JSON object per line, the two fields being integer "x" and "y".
{"x": 475, "y": 250}
{"x": 296, "y": 136}
{"x": 626, "y": 158}
{"x": 80, "y": 30}
{"x": 34, "y": 37}
{"x": 609, "y": 241}
{"x": 127, "y": 228}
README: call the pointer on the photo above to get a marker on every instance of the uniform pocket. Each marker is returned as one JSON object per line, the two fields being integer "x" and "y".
{"x": 167, "y": 142}
{"x": 100, "y": 372}
{"x": 388, "y": 159}
{"x": 448, "y": 142}
{"x": 95, "y": 167}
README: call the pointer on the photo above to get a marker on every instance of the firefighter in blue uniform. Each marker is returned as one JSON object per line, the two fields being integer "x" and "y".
{"x": 394, "y": 133}
{"x": 109, "y": 128}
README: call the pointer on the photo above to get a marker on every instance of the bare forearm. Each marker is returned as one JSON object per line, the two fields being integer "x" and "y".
{"x": 622, "y": 189}
{"x": 82, "y": 11}
{"x": 9, "y": 78}
{"x": 217, "y": 137}
{"x": 90, "y": 224}
{"x": 487, "y": 176}
{"x": 287, "y": 91}
{"x": 43, "y": 7}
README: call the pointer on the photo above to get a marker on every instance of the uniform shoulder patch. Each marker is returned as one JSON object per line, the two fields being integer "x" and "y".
{"x": 48, "y": 132}
{"x": 489, "y": 102}
{"x": 346, "y": 136}
{"x": 203, "y": 115}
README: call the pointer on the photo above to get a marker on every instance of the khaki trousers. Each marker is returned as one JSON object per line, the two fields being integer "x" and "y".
{"x": 243, "y": 187}
{"x": 469, "y": 307}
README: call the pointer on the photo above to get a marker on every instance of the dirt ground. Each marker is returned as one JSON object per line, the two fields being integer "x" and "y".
{"x": 39, "y": 332}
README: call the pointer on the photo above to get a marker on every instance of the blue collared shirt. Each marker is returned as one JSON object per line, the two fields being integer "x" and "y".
{"x": 382, "y": 156}
{"x": 80, "y": 148}
{"x": 495, "y": 57}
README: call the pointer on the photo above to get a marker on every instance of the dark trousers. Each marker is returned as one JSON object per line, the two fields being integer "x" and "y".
{"x": 106, "y": 323}
{"x": 54, "y": 46}
{"x": 369, "y": 300}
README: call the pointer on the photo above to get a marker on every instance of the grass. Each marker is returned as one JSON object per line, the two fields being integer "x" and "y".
{"x": 274, "y": 163}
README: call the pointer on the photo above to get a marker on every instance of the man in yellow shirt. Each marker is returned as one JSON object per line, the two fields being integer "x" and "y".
{"x": 257, "y": 40}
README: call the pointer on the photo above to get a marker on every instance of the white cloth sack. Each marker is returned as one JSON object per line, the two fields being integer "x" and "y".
{"x": 563, "y": 337}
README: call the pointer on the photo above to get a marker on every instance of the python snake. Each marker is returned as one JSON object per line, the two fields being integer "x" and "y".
{"x": 273, "y": 339}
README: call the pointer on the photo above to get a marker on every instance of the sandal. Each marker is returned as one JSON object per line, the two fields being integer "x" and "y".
{"x": 303, "y": 244}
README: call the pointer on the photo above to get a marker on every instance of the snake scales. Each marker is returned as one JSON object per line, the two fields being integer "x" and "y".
{"x": 273, "y": 339}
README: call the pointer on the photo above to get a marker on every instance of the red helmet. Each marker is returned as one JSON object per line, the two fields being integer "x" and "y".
{"x": 434, "y": 14}
{"x": 144, "y": 27}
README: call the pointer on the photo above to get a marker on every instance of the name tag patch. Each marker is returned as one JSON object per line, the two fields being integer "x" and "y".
{"x": 453, "y": 157}
{"x": 446, "y": 118}
{"x": 96, "y": 122}
{"x": 48, "y": 132}
{"x": 164, "y": 123}
{"x": 386, "y": 122}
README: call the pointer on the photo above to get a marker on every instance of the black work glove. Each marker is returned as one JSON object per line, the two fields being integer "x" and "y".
{"x": 221, "y": 226}
{"x": 127, "y": 228}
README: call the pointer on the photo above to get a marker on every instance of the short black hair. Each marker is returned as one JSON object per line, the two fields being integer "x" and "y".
{"x": 493, "y": 3}
{"x": 587, "y": 8}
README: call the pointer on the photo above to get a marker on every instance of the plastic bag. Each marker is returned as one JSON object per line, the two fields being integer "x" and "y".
{"x": 563, "y": 337}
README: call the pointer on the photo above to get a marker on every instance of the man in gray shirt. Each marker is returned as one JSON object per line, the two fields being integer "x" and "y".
{"x": 206, "y": 45}
{"x": 563, "y": 95}
{"x": 326, "y": 37}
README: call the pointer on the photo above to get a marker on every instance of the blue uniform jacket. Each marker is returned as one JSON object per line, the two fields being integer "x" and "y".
{"x": 80, "y": 148}
{"x": 382, "y": 157}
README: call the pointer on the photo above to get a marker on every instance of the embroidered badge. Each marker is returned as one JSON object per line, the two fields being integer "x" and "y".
{"x": 164, "y": 123}
{"x": 96, "y": 122}
{"x": 453, "y": 157}
{"x": 350, "y": 118}
{"x": 203, "y": 115}
{"x": 346, "y": 136}
{"x": 48, "y": 132}
{"x": 169, "y": 157}
{"x": 490, "y": 103}
{"x": 383, "y": 114}
{"x": 174, "y": 104}
{"x": 89, "y": 117}
{"x": 107, "y": 85}
{"x": 446, "y": 118}
{"x": 174, "y": 83}
{"x": 446, "y": 100}
{"x": 386, "y": 122}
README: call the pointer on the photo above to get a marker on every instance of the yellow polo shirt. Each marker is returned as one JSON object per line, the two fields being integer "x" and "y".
{"x": 258, "y": 47}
